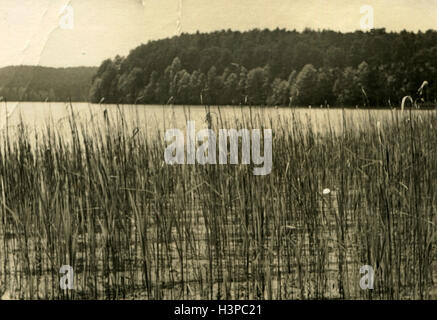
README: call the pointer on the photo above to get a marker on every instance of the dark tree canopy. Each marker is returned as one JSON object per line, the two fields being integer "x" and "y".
{"x": 34, "y": 83}
{"x": 278, "y": 67}
{"x": 258, "y": 67}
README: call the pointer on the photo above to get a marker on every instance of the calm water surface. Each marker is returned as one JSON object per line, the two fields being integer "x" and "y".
{"x": 154, "y": 118}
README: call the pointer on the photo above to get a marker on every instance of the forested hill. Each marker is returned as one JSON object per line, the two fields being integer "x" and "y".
{"x": 35, "y": 83}
{"x": 375, "y": 68}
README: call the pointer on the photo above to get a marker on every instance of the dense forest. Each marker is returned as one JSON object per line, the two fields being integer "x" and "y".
{"x": 35, "y": 83}
{"x": 263, "y": 67}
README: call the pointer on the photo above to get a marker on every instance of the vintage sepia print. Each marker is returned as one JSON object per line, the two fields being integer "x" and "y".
{"x": 218, "y": 150}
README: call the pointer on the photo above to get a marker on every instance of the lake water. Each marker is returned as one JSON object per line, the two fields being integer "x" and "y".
{"x": 151, "y": 118}
{"x": 320, "y": 250}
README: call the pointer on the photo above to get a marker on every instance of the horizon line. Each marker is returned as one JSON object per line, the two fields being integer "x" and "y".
{"x": 306, "y": 29}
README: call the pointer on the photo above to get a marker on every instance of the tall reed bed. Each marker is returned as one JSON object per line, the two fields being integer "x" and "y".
{"x": 102, "y": 200}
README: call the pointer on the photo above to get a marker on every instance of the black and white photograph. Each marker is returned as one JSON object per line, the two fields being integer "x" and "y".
{"x": 244, "y": 150}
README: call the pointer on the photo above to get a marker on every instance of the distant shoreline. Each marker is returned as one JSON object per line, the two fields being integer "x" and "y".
{"x": 233, "y": 106}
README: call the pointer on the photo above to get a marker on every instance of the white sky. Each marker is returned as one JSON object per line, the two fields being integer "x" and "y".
{"x": 30, "y": 32}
